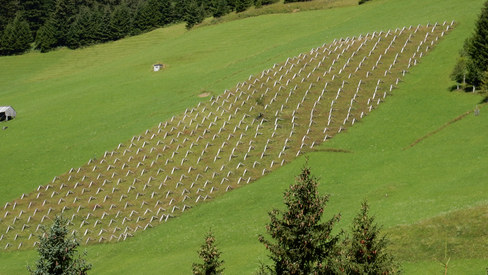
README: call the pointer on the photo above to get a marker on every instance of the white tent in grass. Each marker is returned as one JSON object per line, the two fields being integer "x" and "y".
{"x": 7, "y": 113}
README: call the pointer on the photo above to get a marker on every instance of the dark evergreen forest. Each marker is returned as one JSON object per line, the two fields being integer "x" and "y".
{"x": 48, "y": 24}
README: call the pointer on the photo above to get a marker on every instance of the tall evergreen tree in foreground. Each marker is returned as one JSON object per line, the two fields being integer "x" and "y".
{"x": 302, "y": 244}
{"x": 367, "y": 252}
{"x": 211, "y": 258}
{"x": 57, "y": 252}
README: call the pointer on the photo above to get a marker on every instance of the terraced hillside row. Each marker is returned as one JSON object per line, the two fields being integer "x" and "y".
{"x": 232, "y": 140}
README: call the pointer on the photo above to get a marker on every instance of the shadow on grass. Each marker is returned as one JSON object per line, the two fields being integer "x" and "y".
{"x": 460, "y": 88}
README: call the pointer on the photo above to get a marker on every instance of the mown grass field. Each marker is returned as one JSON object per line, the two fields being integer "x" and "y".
{"x": 73, "y": 105}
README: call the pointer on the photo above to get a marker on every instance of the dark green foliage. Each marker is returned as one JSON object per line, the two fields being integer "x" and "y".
{"x": 268, "y": 2}
{"x": 260, "y": 3}
{"x": 46, "y": 37}
{"x": 78, "y": 23}
{"x": 477, "y": 49}
{"x": 367, "y": 251}
{"x": 303, "y": 245}
{"x": 82, "y": 31}
{"x": 484, "y": 82}
{"x": 16, "y": 37}
{"x": 34, "y": 14}
{"x": 362, "y": 1}
{"x": 211, "y": 258}
{"x": 167, "y": 12}
{"x": 120, "y": 22}
{"x": 291, "y": 1}
{"x": 143, "y": 18}
{"x": 62, "y": 18}
{"x": 8, "y": 10}
{"x": 57, "y": 251}
{"x": 194, "y": 14}
{"x": 242, "y": 5}
{"x": 221, "y": 8}
{"x": 103, "y": 32}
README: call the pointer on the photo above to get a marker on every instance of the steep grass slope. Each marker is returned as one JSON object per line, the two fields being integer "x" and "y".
{"x": 74, "y": 105}
{"x": 236, "y": 138}
{"x": 443, "y": 173}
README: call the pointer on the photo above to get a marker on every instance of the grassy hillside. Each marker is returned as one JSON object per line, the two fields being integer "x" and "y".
{"x": 236, "y": 138}
{"x": 56, "y": 130}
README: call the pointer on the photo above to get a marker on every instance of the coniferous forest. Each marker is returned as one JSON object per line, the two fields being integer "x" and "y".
{"x": 48, "y": 24}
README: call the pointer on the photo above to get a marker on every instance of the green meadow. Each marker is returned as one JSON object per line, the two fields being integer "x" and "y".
{"x": 430, "y": 197}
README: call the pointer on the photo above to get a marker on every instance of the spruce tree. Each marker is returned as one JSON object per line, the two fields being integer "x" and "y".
{"x": 302, "y": 244}
{"x": 477, "y": 49}
{"x": 16, "y": 37}
{"x": 8, "y": 11}
{"x": 147, "y": 16}
{"x": 62, "y": 18}
{"x": 34, "y": 14}
{"x": 103, "y": 31}
{"x": 367, "y": 252}
{"x": 193, "y": 14}
{"x": 167, "y": 12}
{"x": 57, "y": 252}
{"x": 46, "y": 37}
{"x": 242, "y": 5}
{"x": 221, "y": 8}
{"x": 120, "y": 22}
{"x": 211, "y": 258}
{"x": 83, "y": 30}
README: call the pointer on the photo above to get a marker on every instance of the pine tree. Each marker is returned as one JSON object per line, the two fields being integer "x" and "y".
{"x": 82, "y": 31}
{"x": 120, "y": 22}
{"x": 303, "y": 245}
{"x": 167, "y": 12}
{"x": 34, "y": 13}
{"x": 46, "y": 37}
{"x": 62, "y": 18}
{"x": 242, "y": 5}
{"x": 211, "y": 258}
{"x": 221, "y": 8}
{"x": 193, "y": 14}
{"x": 8, "y": 11}
{"x": 103, "y": 32}
{"x": 367, "y": 252}
{"x": 16, "y": 37}
{"x": 477, "y": 49}
{"x": 147, "y": 16}
{"x": 57, "y": 251}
